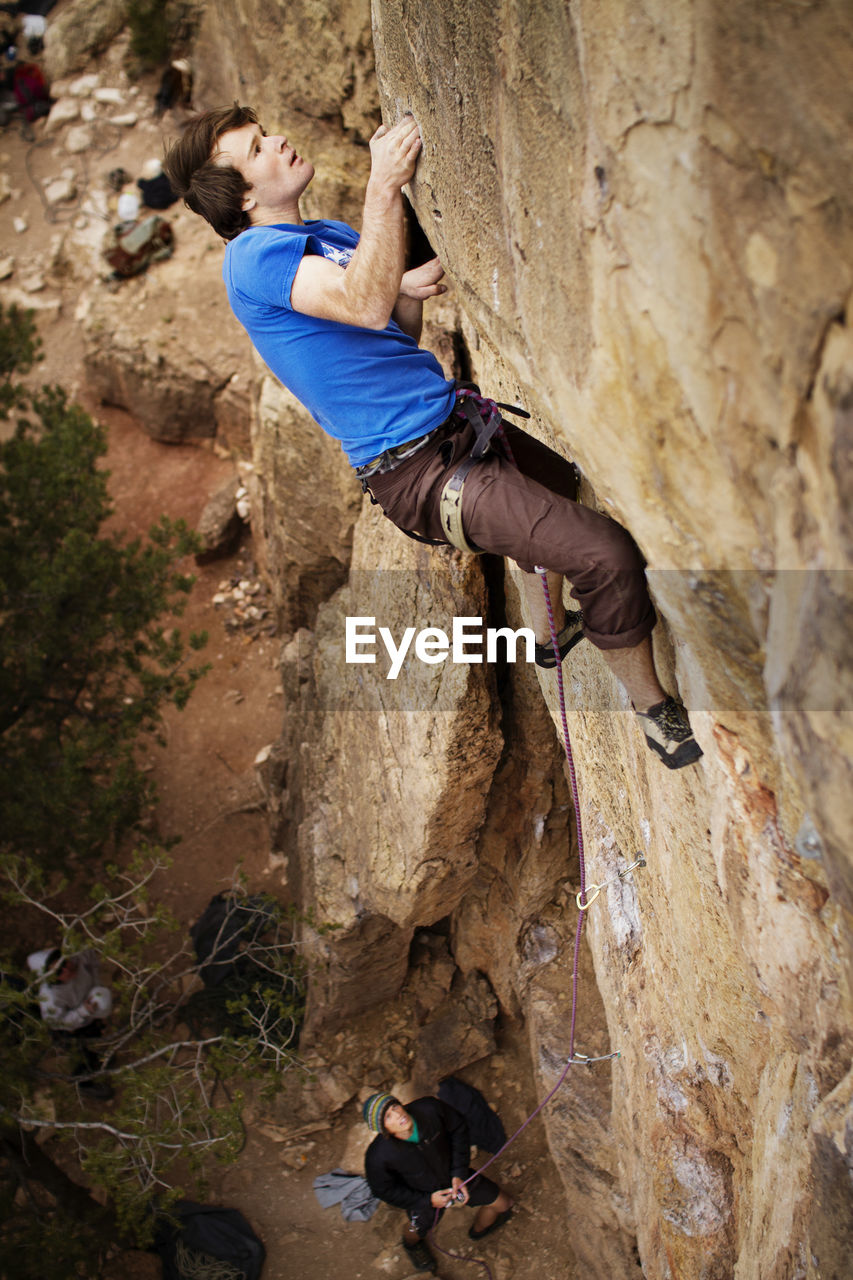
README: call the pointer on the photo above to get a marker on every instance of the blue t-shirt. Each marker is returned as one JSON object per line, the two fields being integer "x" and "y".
{"x": 370, "y": 389}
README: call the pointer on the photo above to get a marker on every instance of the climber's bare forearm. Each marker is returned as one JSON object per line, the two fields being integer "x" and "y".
{"x": 366, "y": 293}
{"x": 409, "y": 315}
{"x": 416, "y": 286}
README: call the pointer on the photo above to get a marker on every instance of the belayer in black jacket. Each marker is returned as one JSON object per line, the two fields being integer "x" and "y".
{"x": 419, "y": 1161}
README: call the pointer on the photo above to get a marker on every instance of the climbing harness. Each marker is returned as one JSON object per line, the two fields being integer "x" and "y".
{"x": 388, "y": 460}
{"x": 484, "y": 416}
{"x": 450, "y": 503}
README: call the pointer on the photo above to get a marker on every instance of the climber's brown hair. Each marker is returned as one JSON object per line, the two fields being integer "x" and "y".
{"x": 215, "y": 191}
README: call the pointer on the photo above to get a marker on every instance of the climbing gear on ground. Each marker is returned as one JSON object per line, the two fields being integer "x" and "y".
{"x": 31, "y": 91}
{"x": 419, "y": 1256}
{"x": 228, "y": 923}
{"x": 587, "y": 896}
{"x": 204, "y": 1240}
{"x": 498, "y": 1222}
{"x": 572, "y": 633}
{"x": 668, "y": 732}
{"x": 130, "y": 250}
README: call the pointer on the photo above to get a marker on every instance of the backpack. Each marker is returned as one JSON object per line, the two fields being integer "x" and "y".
{"x": 226, "y": 923}
{"x": 156, "y": 192}
{"x": 130, "y": 250}
{"x": 485, "y": 1127}
{"x": 30, "y": 89}
{"x": 234, "y": 973}
{"x": 207, "y": 1242}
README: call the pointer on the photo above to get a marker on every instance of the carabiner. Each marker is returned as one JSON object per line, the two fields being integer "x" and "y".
{"x": 585, "y": 906}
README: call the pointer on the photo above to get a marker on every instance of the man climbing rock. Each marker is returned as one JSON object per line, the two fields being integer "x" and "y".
{"x": 337, "y": 318}
{"x": 419, "y": 1161}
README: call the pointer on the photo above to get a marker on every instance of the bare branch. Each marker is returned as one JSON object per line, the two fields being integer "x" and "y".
{"x": 78, "y": 1125}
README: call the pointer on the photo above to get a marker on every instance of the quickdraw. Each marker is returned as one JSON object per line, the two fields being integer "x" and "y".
{"x": 591, "y": 892}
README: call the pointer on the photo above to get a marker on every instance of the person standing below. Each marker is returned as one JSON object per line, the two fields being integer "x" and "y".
{"x": 420, "y": 1161}
{"x": 337, "y": 318}
{"x": 74, "y": 1004}
{"x": 67, "y": 983}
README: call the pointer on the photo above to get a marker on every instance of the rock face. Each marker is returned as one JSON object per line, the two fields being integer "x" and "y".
{"x": 646, "y": 214}
{"x": 298, "y": 472}
{"x": 174, "y": 355}
{"x": 393, "y": 774}
{"x": 648, "y": 222}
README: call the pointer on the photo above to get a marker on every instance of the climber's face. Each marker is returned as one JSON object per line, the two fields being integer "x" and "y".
{"x": 277, "y": 176}
{"x": 397, "y": 1121}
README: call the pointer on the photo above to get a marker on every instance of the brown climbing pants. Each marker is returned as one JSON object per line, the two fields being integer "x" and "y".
{"x": 525, "y": 509}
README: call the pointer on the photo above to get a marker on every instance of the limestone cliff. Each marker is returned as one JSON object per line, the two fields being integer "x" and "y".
{"x": 645, "y": 211}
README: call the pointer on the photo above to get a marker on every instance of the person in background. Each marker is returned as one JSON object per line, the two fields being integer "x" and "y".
{"x": 73, "y": 1003}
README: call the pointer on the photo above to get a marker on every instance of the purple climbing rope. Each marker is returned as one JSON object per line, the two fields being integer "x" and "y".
{"x": 567, "y": 747}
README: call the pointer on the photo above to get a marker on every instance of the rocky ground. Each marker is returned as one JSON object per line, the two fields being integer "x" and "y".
{"x": 57, "y": 204}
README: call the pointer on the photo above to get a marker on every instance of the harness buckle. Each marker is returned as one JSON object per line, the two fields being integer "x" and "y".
{"x": 450, "y": 502}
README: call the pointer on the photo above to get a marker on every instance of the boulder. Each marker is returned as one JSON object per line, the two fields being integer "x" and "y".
{"x": 78, "y": 139}
{"x": 220, "y": 526}
{"x": 294, "y": 464}
{"x": 458, "y": 1033}
{"x": 146, "y": 352}
{"x": 389, "y": 784}
{"x": 63, "y": 112}
{"x": 79, "y": 30}
{"x": 60, "y": 191}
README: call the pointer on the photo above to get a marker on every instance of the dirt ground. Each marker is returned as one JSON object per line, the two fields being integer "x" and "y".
{"x": 204, "y": 775}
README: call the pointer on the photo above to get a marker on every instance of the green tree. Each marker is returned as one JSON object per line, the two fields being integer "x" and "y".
{"x": 147, "y": 1103}
{"x": 96, "y": 1134}
{"x": 86, "y": 664}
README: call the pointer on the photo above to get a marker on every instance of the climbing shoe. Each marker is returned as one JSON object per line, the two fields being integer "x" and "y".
{"x": 668, "y": 732}
{"x": 543, "y": 654}
{"x": 419, "y": 1256}
{"x": 498, "y": 1222}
